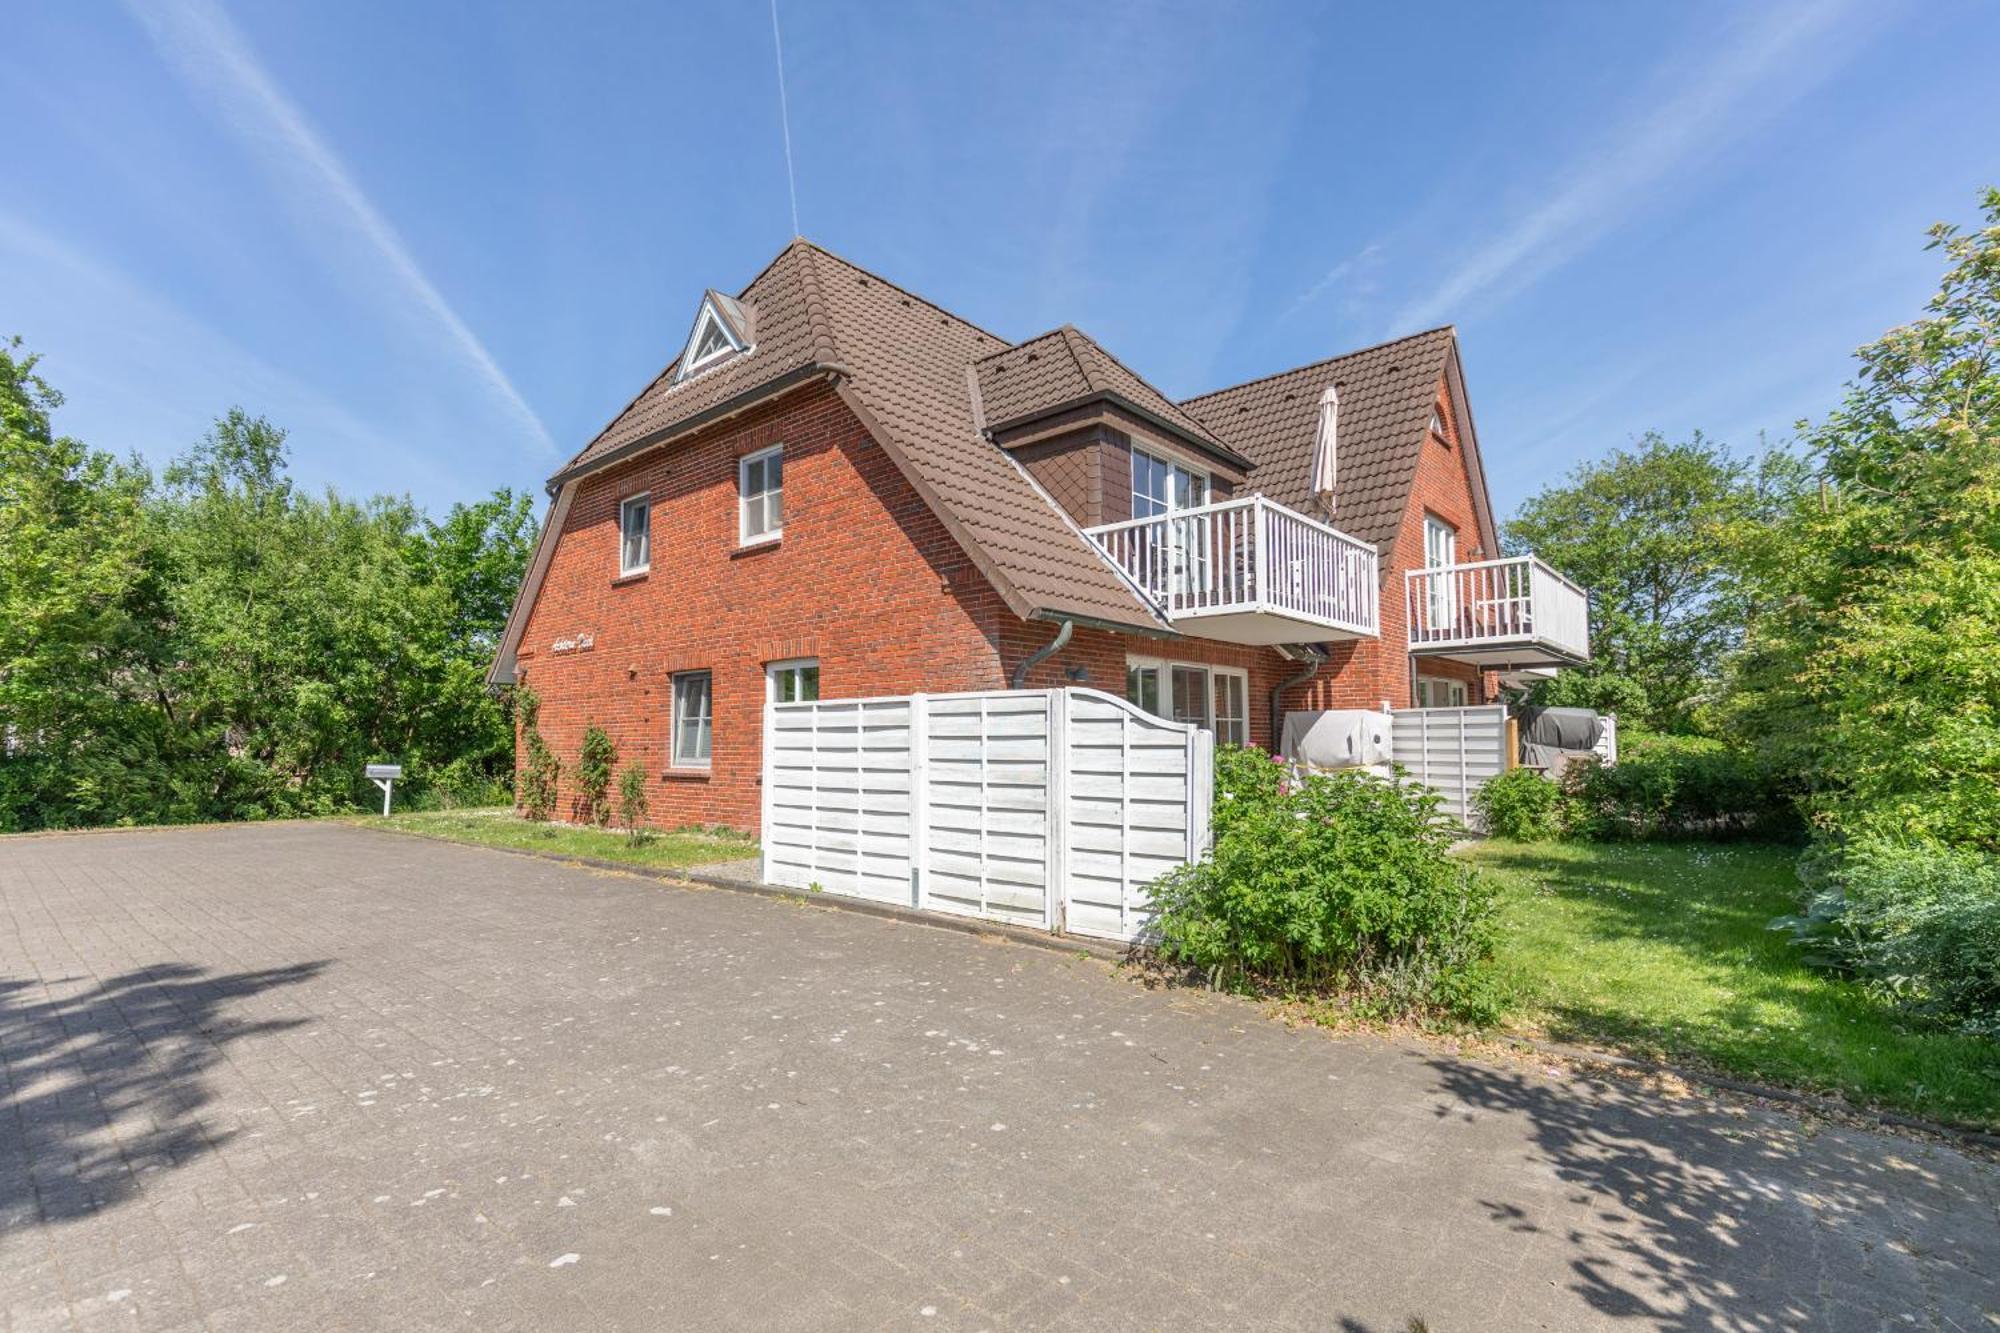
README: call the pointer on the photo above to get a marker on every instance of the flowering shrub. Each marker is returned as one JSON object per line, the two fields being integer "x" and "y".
{"x": 1338, "y": 882}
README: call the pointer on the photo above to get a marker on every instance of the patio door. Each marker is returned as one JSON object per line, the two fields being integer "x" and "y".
{"x": 1176, "y": 556}
{"x": 1440, "y": 553}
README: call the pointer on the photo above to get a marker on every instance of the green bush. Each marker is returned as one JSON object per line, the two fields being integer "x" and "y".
{"x": 1520, "y": 804}
{"x": 632, "y": 801}
{"x": 1337, "y": 882}
{"x": 1674, "y": 787}
{"x": 595, "y": 762}
{"x": 541, "y": 771}
{"x": 1919, "y": 924}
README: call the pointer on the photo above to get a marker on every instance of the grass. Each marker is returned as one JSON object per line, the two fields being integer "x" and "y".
{"x": 1662, "y": 951}
{"x": 503, "y": 828}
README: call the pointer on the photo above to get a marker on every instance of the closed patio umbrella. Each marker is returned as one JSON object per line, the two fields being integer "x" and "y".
{"x": 1322, "y": 459}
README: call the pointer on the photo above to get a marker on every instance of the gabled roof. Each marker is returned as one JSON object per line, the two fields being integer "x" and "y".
{"x": 906, "y": 364}
{"x": 1386, "y": 394}
{"x": 1065, "y": 367}
{"x": 928, "y": 385}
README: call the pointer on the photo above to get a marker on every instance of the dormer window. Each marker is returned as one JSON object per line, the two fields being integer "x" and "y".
{"x": 720, "y": 332}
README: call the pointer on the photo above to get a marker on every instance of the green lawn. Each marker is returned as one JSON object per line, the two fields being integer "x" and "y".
{"x": 503, "y": 828}
{"x": 1661, "y": 950}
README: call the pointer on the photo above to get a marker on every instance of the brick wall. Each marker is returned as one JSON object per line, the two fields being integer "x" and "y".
{"x": 865, "y": 578}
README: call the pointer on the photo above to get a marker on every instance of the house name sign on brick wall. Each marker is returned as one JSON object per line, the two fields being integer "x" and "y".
{"x": 575, "y": 643}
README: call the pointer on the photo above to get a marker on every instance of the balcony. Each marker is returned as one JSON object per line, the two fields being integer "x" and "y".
{"x": 1249, "y": 571}
{"x": 1499, "y": 613}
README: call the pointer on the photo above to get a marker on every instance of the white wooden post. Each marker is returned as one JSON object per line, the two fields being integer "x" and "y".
{"x": 1259, "y": 579}
{"x": 920, "y": 797}
{"x": 764, "y": 817}
{"x": 1055, "y": 823}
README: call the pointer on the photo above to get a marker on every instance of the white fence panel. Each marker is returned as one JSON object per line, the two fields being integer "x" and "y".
{"x": 986, "y": 806}
{"x": 1139, "y": 796}
{"x": 837, "y": 782}
{"x": 1045, "y": 807}
{"x": 1451, "y": 750}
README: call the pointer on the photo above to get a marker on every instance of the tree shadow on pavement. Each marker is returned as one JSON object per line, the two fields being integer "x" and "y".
{"x": 1679, "y": 1214}
{"x": 112, "y": 1080}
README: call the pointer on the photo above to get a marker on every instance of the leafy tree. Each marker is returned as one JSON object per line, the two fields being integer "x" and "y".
{"x": 220, "y": 645}
{"x": 476, "y": 555}
{"x": 1871, "y": 674}
{"x": 78, "y": 632}
{"x": 1649, "y": 531}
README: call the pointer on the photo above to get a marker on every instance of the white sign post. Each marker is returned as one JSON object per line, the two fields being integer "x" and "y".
{"x": 384, "y": 776}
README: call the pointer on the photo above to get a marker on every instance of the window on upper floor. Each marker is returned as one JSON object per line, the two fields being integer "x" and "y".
{"x": 760, "y": 490}
{"x": 635, "y": 535}
{"x": 1437, "y": 426}
{"x": 712, "y": 342}
{"x": 1160, "y": 487}
{"x": 1440, "y": 543}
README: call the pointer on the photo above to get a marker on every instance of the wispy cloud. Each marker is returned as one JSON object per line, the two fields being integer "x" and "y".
{"x": 1698, "y": 102}
{"x": 1359, "y": 273}
{"x": 142, "y": 374}
{"x": 204, "y": 47}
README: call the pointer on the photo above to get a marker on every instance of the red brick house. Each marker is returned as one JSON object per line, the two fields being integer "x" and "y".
{"x": 839, "y": 489}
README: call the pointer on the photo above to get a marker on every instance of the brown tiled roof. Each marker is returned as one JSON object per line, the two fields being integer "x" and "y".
{"x": 927, "y": 382}
{"x": 788, "y": 339}
{"x": 1386, "y": 393}
{"x": 907, "y": 362}
{"x": 1065, "y": 366}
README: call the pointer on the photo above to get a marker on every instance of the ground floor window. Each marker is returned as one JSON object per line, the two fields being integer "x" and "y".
{"x": 792, "y": 682}
{"x": 1217, "y": 698}
{"x": 693, "y": 719}
{"x": 1438, "y": 692}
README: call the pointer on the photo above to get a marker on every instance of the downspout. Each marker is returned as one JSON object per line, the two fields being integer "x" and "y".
{"x": 1042, "y": 655}
{"x": 1278, "y": 708}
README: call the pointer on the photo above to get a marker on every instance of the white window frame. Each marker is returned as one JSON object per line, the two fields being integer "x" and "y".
{"x": 624, "y": 507}
{"x": 679, "y": 758}
{"x": 1172, "y": 465}
{"x": 774, "y": 671}
{"x": 1173, "y": 560}
{"x": 1165, "y": 667}
{"x": 1441, "y": 540}
{"x": 1457, "y": 694}
{"x": 1242, "y": 677}
{"x": 708, "y": 316}
{"x": 744, "y": 536}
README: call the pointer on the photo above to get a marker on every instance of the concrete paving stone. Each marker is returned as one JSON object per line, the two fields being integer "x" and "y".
{"x": 279, "y": 1025}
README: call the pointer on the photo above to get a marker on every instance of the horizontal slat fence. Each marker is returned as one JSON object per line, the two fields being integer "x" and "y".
{"x": 1451, "y": 750}
{"x": 1040, "y": 807}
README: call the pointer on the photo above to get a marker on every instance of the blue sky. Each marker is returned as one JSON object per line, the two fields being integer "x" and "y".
{"x": 443, "y": 244}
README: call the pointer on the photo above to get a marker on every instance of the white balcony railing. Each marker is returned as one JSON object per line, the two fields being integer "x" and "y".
{"x": 1259, "y": 572}
{"x": 1496, "y": 605}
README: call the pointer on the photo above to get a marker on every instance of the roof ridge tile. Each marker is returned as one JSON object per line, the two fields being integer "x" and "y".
{"x": 818, "y": 319}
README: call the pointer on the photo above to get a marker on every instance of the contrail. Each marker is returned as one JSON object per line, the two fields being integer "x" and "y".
{"x": 205, "y": 48}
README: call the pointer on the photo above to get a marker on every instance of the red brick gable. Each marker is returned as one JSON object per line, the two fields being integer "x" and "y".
{"x": 865, "y": 578}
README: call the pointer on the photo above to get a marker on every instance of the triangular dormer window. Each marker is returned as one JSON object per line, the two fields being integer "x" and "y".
{"x": 719, "y": 334}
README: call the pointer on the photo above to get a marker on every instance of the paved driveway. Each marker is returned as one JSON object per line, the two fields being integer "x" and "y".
{"x": 315, "y": 1076}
